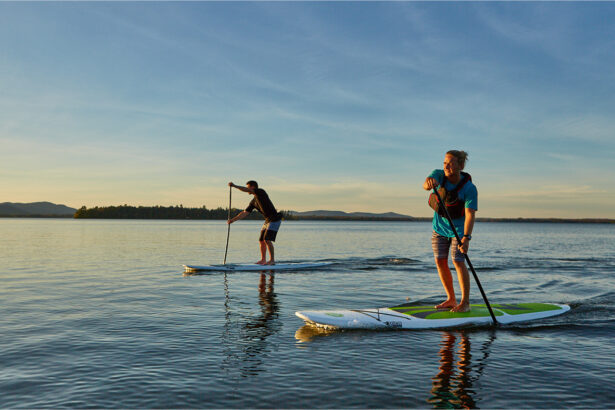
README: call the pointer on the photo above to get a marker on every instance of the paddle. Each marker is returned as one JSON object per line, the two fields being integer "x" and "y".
{"x": 228, "y": 232}
{"x": 450, "y": 221}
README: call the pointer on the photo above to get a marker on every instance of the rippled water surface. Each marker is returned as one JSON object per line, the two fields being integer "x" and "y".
{"x": 100, "y": 314}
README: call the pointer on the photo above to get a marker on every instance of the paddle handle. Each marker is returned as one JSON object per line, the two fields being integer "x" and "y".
{"x": 480, "y": 287}
{"x": 228, "y": 232}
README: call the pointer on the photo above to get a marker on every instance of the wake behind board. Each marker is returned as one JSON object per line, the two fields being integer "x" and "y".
{"x": 409, "y": 316}
{"x": 255, "y": 267}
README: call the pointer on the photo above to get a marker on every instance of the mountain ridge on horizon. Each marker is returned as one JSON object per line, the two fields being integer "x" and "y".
{"x": 43, "y": 208}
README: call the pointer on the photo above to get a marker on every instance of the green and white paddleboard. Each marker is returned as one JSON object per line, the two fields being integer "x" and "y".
{"x": 411, "y": 316}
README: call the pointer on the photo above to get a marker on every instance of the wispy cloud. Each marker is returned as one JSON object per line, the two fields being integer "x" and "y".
{"x": 581, "y": 127}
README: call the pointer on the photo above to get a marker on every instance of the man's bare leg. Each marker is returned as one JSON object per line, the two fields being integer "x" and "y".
{"x": 447, "y": 281}
{"x": 263, "y": 249}
{"x": 464, "y": 282}
{"x": 271, "y": 257}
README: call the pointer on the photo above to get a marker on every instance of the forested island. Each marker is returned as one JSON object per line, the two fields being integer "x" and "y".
{"x": 161, "y": 212}
{"x": 181, "y": 212}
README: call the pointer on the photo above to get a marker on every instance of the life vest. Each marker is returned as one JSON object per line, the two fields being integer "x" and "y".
{"x": 455, "y": 207}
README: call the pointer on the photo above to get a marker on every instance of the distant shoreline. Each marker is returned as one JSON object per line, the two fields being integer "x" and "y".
{"x": 342, "y": 219}
{"x": 46, "y": 210}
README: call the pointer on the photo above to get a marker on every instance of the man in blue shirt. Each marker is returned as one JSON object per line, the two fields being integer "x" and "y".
{"x": 461, "y": 199}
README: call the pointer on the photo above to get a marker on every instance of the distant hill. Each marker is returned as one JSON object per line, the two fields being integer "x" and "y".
{"x": 323, "y": 214}
{"x": 35, "y": 209}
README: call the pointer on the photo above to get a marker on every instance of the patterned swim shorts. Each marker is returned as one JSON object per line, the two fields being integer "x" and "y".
{"x": 441, "y": 246}
{"x": 269, "y": 231}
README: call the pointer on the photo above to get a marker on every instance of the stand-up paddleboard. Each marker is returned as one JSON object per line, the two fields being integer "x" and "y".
{"x": 255, "y": 267}
{"x": 410, "y": 316}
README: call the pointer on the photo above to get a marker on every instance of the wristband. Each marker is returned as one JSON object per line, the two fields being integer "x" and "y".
{"x": 468, "y": 236}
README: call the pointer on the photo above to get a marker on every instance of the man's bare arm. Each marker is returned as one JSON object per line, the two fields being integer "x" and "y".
{"x": 239, "y": 216}
{"x": 241, "y": 188}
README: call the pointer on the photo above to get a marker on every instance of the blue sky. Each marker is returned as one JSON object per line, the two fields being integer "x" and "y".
{"x": 344, "y": 106}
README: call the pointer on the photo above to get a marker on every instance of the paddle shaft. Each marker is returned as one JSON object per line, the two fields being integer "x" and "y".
{"x": 450, "y": 221}
{"x": 228, "y": 232}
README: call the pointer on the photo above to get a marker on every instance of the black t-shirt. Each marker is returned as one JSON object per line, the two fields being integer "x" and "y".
{"x": 263, "y": 204}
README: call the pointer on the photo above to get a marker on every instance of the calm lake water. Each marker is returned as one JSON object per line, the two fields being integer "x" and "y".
{"x": 100, "y": 314}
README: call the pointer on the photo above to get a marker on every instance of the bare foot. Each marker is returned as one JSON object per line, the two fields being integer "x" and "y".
{"x": 261, "y": 262}
{"x": 461, "y": 308}
{"x": 447, "y": 304}
{"x": 270, "y": 263}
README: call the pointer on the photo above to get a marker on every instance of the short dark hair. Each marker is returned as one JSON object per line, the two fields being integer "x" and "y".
{"x": 252, "y": 184}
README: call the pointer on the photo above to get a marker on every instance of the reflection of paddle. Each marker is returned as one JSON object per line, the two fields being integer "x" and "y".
{"x": 450, "y": 221}
{"x": 228, "y": 232}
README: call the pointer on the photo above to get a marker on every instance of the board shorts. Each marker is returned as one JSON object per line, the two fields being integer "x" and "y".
{"x": 269, "y": 231}
{"x": 441, "y": 246}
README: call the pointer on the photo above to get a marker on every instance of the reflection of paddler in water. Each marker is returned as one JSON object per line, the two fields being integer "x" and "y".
{"x": 268, "y": 299}
{"x": 258, "y": 329}
{"x": 247, "y": 349}
{"x": 452, "y": 386}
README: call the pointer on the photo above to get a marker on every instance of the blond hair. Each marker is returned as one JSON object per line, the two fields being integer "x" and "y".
{"x": 461, "y": 157}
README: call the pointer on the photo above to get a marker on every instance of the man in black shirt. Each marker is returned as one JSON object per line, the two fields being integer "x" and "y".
{"x": 273, "y": 218}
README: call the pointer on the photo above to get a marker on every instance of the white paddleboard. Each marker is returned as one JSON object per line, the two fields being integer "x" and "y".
{"x": 255, "y": 267}
{"x": 409, "y": 316}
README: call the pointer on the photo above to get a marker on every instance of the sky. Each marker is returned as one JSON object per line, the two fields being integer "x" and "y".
{"x": 338, "y": 106}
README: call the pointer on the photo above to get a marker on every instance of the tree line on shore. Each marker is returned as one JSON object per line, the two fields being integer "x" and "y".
{"x": 181, "y": 212}
{"x": 162, "y": 212}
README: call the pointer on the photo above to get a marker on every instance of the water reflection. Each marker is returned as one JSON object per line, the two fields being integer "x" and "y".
{"x": 245, "y": 334}
{"x": 453, "y": 386}
{"x": 307, "y": 333}
{"x": 269, "y": 305}
{"x": 459, "y": 370}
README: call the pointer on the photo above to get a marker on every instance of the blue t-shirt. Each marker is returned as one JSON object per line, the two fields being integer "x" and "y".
{"x": 467, "y": 193}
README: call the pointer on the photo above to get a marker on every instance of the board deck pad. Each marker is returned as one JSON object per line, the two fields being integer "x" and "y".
{"x": 254, "y": 267}
{"x": 412, "y": 316}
